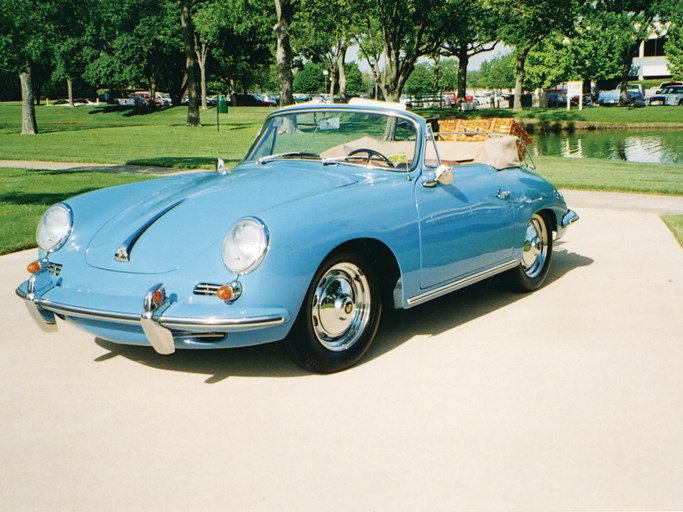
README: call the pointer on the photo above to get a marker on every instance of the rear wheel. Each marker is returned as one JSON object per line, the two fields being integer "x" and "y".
{"x": 339, "y": 317}
{"x": 536, "y": 255}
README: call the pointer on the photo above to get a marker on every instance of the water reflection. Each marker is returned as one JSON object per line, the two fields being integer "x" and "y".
{"x": 640, "y": 146}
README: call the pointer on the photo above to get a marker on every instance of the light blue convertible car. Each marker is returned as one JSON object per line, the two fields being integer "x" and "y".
{"x": 335, "y": 212}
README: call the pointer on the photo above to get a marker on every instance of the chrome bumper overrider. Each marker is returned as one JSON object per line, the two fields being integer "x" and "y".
{"x": 568, "y": 218}
{"x": 157, "y": 326}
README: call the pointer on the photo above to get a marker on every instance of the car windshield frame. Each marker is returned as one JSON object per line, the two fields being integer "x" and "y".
{"x": 340, "y": 130}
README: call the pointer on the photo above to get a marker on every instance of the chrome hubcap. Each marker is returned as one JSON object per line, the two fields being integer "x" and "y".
{"x": 535, "y": 249}
{"x": 341, "y": 307}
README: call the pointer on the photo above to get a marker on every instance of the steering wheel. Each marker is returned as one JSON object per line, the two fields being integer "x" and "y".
{"x": 371, "y": 154}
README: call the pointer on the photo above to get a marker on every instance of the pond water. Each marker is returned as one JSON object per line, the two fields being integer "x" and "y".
{"x": 663, "y": 146}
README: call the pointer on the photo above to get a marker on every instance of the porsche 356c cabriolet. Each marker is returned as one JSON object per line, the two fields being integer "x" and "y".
{"x": 335, "y": 212}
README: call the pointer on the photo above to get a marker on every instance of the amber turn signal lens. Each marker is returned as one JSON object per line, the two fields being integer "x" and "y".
{"x": 34, "y": 267}
{"x": 225, "y": 292}
{"x": 158, "y": 296}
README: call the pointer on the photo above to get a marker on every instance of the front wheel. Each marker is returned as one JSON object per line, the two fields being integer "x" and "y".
{"x": 339, "y": 317}
{"x": 536, "y": 255}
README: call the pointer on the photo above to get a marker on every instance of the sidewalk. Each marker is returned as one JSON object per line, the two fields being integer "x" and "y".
{"x": 81, "y": 166}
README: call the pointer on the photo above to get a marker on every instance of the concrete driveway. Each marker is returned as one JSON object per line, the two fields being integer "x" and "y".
{"x": 570, "y": 398}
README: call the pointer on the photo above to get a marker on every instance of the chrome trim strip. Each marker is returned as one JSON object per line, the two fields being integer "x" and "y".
{"x": 172, "y": 322}
{"x": 87, "y": 313}
{"x": 419, "y": 299}
{"x": 189, "y": 323}
{"x": 123, "y": 252}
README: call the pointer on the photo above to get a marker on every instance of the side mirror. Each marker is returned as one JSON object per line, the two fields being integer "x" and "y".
{"x": 442, "y": 174}
{"x": 220, "y": 166}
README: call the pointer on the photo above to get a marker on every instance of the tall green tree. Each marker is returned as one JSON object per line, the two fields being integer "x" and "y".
{"x": 527, "y": 23}
{"x": 472, "y": 32}
{"x": 629, "y": 22}
{"x": 674, "y": 50}
{"x": 188, "y": 32}
{"x": 284, "y": 10}
{"x": 27, "y": 36}
{"x": 396, "y": 33}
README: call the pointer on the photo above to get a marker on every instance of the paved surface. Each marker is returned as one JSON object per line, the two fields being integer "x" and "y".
{"x": 570, "y": 398}
{"x": 80, "y": 166}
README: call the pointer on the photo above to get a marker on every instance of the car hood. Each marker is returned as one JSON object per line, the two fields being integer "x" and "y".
{"x": 173, "y": 225}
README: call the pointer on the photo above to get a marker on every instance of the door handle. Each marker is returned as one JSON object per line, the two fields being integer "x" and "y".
{"x": 503, "y": 194}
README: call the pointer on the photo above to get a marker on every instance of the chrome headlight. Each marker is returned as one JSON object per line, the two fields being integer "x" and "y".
{"x": 55, "y": 227}
{"x": 245, "y": 245}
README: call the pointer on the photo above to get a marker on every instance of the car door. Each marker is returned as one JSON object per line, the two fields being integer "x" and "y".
{"x": 465, "y": 227}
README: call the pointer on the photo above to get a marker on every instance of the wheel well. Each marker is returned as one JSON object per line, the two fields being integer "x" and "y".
{"x": 382, "y": 259}
{"x": 549, "y": 215}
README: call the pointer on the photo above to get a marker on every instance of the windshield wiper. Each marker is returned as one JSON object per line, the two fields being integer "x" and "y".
{"x": 290, "y": 154}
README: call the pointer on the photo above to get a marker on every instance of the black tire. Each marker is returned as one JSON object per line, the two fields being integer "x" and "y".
{"x": 339, "y": 318}
{"x": 537, "y": 253}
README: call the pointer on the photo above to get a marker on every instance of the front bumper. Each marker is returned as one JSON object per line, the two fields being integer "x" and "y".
{"x": 154, "y": 323}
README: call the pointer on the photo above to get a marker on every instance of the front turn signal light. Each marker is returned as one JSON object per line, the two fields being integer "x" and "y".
{"x": 225, "y": 293}
{"x": 34, "y": 267}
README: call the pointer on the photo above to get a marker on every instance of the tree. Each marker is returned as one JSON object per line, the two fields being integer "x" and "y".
{"x": 190, "y": 62}
{"x": 320, "y": 37}
{"x": 498, "y": 73}
{"x": 473, "y": 32}
{"x": 527, "y": 23}
{"x": 310, "y": 79}
{"x": 27, "y": 34}
{"x": 396, "y": 33}
{"x": 283, "y": 55}
{"x": 628, "y": 23}
{"x": 421, "y": 81}
{"x": 674, "y": 51}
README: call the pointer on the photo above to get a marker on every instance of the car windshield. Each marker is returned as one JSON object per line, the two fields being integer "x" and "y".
{"x": 337, "y": 137}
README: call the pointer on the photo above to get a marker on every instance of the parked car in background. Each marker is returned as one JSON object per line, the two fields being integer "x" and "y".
{"x": 163, "y": 99}
{"x": 557, "y": 97}
{"x": 78, "y": 102}
{"x": 668, "y": 96}
{"x": 252, "y": 100}
{"x": 451, "y": 98}
{"x": 335, "y": 213}
{"x": 653, "y": 91}
{"x": 634, "y": 93}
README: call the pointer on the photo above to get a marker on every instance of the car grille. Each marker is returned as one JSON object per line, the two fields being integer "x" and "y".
{"x": 54, "y": 268}
{"x": 206, "y": 289}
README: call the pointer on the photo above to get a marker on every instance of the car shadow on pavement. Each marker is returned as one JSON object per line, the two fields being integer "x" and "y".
{"x": 398, "y": 327}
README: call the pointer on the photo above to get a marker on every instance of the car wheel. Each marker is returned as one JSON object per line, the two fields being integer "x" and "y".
{"x": 339, "y": 317}
{"x": 536, "y": 255}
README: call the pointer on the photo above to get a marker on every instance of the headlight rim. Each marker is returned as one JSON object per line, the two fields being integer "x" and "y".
{"x": 256, "y": 262}
{"x": 64, "y": 236}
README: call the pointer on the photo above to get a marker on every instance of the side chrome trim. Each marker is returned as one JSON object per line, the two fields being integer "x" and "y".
{"x": 456, "y": 285}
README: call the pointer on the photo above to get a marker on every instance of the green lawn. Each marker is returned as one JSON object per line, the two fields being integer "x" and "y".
{"x": 25, "y": 195}
{"x": 129, "y": 136}
{"x": 132, "y": 136}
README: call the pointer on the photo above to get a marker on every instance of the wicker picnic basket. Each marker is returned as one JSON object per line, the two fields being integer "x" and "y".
{"x": 455, "y": 129}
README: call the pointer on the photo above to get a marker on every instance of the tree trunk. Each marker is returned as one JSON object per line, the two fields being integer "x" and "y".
{"x": 463, "y": 62}
{"x": 519, "y": 78}
{"x": 190, "y": 63}
{"x": 285, "y": 12}
{"x": 626, "y": 60}
{"x": 28, "y": 110}
{"x": 70, "y": 92}
{"x": 341, "y": 58}
{"x": 201, "y": 60}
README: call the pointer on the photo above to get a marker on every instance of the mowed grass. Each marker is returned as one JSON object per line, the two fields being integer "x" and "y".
{"x": 25, "y": 195}
{"x": 160, "y": 138}
{"x": 611, "y": 175}
{"x": 129, "y": 136}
